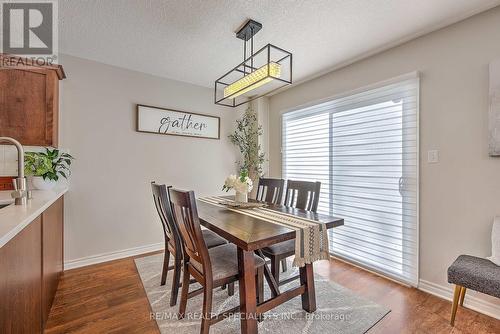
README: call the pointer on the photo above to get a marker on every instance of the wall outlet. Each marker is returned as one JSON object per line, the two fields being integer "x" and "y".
{"x": 433, "y": 156}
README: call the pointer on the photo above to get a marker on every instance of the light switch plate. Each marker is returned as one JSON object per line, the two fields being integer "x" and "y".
{"x": 433, "y": 156}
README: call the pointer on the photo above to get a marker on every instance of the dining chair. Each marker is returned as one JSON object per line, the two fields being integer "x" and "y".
{"x": 173, "y": 241}
{"x": 270, "y": 190}
{"x": 300, "y": 195}
{"x": 210, "y": 267}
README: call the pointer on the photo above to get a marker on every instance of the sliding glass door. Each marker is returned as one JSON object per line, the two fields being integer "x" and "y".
{"x": 364, "y": 149}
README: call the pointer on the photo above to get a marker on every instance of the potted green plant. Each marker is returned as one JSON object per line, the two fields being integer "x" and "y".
{"x": 46, "y": 167}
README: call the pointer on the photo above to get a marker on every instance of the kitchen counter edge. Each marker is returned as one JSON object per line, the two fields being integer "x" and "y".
{"x": 14, "y": 218}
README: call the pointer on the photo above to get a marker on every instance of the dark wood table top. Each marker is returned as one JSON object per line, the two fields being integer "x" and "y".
{"x": 251, "y": 233}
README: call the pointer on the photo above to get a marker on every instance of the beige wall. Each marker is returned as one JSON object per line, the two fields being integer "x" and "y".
{"x": 459, "y": 195}
{"x": 109, "y": 206}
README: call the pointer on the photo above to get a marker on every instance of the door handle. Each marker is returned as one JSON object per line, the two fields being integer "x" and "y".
{"x": 401, "y": 185}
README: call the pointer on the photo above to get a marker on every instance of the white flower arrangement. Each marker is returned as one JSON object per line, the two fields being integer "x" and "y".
{"x": 242, "y": 184}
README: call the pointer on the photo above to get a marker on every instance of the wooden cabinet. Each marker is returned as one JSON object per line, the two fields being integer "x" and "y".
{"x": 6, "y": 183}
{"x": 30, "y": 268}
{"x": 20, "y": 277}
{"x": 52, "y": 254}
{"x": 29, "y": 102}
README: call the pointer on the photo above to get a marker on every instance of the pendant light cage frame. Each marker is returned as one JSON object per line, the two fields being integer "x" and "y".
{"x": 275, "y": 66}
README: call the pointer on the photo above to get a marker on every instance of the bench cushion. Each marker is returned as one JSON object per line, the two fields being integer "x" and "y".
{"x": 475, "y": 273}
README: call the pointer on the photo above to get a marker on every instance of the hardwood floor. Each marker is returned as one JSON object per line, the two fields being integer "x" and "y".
{"x": 109, "y": 298}
{"x": 103, "y": 298}
{"x": 412, "y": 310}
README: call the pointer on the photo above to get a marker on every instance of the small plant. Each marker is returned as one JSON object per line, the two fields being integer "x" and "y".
{"x": 50, "y": 165}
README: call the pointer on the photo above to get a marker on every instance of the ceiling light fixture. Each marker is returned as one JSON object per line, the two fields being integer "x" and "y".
{"x": 263, "y": 72}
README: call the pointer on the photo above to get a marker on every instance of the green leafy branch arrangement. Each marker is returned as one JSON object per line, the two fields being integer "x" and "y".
{"x": 50, "y": 164}
{"x": 246, "y": 138}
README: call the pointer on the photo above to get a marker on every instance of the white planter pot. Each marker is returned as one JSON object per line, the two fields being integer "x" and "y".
{"x": 41, "y": 184}
{"x": 241, "y": 197}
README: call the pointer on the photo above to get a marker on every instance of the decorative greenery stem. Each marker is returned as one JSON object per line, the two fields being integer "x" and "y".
{"x": 246, "y": 138}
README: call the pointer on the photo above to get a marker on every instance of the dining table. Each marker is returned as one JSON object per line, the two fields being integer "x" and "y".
{"x": 250, "y": 234}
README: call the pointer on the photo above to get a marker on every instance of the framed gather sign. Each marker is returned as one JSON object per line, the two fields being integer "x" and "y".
{"x": 178, "y": 123}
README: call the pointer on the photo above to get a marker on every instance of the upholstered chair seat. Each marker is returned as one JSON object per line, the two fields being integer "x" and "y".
{"x": 212, "y": 239}
{"x": 224, "y": 260}
{"x": 285, "y": 247}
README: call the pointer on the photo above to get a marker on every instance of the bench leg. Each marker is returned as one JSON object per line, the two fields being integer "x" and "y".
{"x": 456, "y": 297}
{"x": 462, "y": 296}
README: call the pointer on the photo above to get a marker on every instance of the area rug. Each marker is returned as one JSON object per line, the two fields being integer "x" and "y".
{"x": 339, "y": 310}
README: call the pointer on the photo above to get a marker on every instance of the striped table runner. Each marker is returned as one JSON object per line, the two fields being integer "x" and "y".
{"x": 311, "y": 241}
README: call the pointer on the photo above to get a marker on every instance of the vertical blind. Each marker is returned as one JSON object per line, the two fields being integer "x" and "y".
{"x": 363, "y": 148}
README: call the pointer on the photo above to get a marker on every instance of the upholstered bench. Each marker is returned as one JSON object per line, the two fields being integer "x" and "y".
{"x": 470, "y": 272}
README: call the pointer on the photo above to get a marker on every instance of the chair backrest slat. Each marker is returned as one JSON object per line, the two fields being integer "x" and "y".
{"x": 270, "y": 190}
{"x": 162, "y": 203}
{"x": 186, "y": 216}
{"x": 303, "y": 195}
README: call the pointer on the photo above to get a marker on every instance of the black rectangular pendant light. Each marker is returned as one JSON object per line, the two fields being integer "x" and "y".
{"x": 263, "y": 72}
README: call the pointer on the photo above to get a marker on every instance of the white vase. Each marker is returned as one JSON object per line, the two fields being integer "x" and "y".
{"x": 241, "y": 197}
{"x": 39, "y": 183}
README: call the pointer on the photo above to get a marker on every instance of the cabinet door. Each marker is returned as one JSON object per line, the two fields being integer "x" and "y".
{"x": 29, "y": 104}
{"x": 20, "y": 276}
{"x": 52, "y": 254}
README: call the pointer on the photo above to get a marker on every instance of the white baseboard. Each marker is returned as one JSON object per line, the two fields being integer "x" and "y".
{"x": 472, "y": 302}
{"x": 104, "y": 257}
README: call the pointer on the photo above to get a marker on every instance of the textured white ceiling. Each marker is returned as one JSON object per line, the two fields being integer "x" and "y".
{"x": 194, "y": 41}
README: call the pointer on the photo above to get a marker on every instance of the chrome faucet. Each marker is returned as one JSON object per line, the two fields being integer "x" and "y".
{"x": 20, "y": 192}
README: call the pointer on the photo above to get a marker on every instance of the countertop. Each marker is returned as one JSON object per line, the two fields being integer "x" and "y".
{"x": 14, "y": 218}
